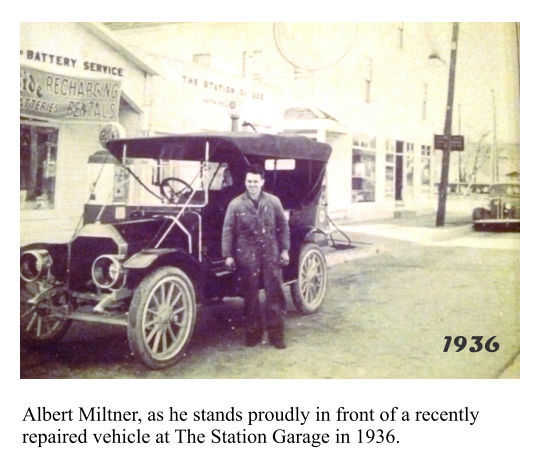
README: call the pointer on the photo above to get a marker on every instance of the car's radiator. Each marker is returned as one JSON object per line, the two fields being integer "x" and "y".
{"x": 84, "y": 250}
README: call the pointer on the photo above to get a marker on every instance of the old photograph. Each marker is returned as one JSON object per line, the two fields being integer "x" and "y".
{"x": 240, "y": 200}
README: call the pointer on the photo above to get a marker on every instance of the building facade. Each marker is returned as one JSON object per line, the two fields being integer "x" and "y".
{"x": 379, "y": 95}
{"x": 74, "y": 79}
{"x": 376, "y": 92}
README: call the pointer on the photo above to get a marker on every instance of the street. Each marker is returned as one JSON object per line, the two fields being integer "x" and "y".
{"x": 385, "y": 316}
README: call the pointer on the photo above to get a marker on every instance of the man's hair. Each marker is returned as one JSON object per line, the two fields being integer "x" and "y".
{"x": 255, "y": 169}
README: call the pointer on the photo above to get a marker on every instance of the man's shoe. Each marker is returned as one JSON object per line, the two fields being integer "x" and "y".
{"x": 253, "y": 338}
{"x": 278, "y": 341}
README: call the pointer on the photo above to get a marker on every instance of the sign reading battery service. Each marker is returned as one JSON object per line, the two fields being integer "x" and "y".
{"x": 57, "y": 96}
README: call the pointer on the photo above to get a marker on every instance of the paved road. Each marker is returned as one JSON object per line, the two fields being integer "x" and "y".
{"x": 485, "y": 240}
{"x": 384, "y": 317}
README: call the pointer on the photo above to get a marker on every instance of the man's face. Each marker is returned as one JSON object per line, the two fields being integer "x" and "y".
{"x": 254, "y": 184}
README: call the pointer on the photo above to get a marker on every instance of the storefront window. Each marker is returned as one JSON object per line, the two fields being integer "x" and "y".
{"x": 389, "y": 184}
{"x": 409, "y": 150}
{"x": 426, "y": 166}
{"x": 38, "y": 151}
{"x": 363, "y": 169}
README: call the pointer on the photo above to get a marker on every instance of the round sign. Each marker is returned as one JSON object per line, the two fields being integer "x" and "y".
{"x": 111, "y": 131}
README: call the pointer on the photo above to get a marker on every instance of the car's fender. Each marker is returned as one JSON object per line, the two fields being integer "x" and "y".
{"x": 299, "y": 236}
{"x": 143, "y": 262}
{"x": 303, "y": 234}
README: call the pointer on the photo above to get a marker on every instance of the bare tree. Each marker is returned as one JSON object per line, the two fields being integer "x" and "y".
{"x": 480, "y": 157}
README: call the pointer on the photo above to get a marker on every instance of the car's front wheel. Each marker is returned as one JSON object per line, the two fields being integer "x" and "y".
{"x": 43, "y": 316}
{"x": 309, "y": 290}
{"x": 162, "y": 317}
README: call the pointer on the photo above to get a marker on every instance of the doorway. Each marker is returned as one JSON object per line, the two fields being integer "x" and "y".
{"x": 398, "y": 194}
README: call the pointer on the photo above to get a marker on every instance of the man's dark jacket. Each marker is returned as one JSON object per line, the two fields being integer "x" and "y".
{"x": 255, "y": 237}
{"x": 247, "y": 229}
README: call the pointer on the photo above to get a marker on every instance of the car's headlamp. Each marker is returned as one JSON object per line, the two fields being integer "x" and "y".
{"x": 35, "y": 264}
{"x": 108, "y": 272}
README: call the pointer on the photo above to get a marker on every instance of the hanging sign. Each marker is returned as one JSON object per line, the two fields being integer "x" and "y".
{"x": 56, "y": 96}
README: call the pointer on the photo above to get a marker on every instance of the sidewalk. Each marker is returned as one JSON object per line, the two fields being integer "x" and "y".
{"x": 359, "y": 251}
{"x": 420, "y": 229}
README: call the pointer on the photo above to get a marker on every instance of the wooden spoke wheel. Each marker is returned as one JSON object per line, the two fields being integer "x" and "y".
{"x": 309, "y": 290}
{"x": 162, "y": 316}
{"x": 43, "y": 321}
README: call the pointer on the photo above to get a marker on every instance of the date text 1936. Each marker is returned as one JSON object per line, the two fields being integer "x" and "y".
{"x": 476, "y": 343}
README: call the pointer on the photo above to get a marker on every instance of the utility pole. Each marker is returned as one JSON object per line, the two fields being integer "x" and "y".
{"x": 460, "y": 160}
{"x": 443, "y": 185}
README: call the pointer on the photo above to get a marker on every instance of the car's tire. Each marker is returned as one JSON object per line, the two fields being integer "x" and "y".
{"x": 39, "y": 325}
{"x": 478, "y": 213}
{"x": 309, "y": 289}
{"x": 162, "y": 316}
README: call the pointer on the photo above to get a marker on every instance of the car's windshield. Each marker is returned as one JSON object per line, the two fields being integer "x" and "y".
{"x": 154, "y": 180}
{"x": 500, "y": 189}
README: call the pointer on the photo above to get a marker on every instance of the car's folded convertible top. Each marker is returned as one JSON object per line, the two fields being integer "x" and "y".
{"x": 242, "y": 144}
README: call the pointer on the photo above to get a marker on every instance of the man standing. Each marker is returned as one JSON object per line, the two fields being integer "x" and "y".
{"x": 256, "y": 240}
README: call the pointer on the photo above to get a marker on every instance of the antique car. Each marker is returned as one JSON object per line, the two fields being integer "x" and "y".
{"x": 150, "y": 257}
{"x": 500, "y": 209}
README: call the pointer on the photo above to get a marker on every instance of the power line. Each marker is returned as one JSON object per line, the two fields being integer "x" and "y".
{"x": 298, "y": 67}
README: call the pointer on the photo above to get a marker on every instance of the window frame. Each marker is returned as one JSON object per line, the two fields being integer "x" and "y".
{"x": 46, "y": 174}
{"x": 364, "y": 145}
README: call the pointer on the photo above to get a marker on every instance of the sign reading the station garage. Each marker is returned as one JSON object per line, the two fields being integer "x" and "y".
{"x": 57, "y": 96}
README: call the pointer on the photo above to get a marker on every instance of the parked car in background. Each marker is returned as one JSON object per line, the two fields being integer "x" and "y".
{"x": 501, "y": 207}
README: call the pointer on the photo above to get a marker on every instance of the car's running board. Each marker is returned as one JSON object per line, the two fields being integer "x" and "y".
{"x": 99, "y": 318}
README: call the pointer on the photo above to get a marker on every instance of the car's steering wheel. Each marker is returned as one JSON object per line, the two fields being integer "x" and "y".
{"x": 169, "y": 191}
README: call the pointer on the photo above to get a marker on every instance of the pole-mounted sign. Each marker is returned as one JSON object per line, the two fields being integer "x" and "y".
{"x": 457, "y": 143}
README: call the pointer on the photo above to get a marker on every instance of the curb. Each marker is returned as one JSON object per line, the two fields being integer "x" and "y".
{"x": 449, "y": 233}
{"x": 335, "y": 256}
{"x": 417, "y": 234}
